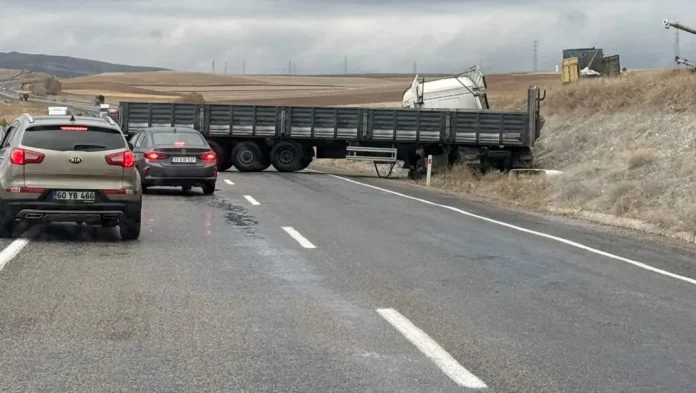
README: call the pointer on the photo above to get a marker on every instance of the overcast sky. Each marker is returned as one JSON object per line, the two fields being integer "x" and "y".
{"x": 376, "y": 35}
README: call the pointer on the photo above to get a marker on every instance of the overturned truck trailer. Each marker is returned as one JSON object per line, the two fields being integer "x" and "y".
{"x": 252, "y": 138}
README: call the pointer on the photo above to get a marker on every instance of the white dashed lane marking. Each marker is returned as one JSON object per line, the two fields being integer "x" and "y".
{"x": 298, "y": 237}
{"x": 251, "y": 200}
{"x": 431, "y": 349}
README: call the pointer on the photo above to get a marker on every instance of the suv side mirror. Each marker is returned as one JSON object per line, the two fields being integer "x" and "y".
{"x": 130, "y": 146}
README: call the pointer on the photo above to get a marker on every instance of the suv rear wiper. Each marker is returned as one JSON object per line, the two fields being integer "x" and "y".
{"x": 88, "y": 147}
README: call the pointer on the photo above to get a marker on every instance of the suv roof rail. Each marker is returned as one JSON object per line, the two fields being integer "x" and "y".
{"x": 28, "y": 116}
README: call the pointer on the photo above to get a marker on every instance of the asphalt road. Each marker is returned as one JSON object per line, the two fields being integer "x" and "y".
{"x": 307, "y": 282}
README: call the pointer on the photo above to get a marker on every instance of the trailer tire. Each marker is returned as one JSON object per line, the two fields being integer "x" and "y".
{"x": 247, "y": 157}
{"x": 265, "y": 160}
{"x": 287, "y": 156}
{"x": 306, "y": 162}
{"x": 223, "y": 160}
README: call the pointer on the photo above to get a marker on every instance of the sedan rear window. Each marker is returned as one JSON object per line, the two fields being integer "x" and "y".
{"x": 73, "y": 138}
{"x": 171, "y": 139}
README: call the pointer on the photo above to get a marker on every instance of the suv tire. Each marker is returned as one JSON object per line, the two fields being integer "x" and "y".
{"x": 130, "y": 225}
{"x": 208, "y": 188}
{"x": 6, "y": 226}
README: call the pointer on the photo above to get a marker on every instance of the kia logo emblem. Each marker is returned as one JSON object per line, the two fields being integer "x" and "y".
{"x": 75, "y": 160}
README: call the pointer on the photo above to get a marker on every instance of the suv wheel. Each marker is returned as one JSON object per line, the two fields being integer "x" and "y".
{"x": 209, "y": 188}
{"x": 130, "y": 226}
{"x": 6, "y": 226}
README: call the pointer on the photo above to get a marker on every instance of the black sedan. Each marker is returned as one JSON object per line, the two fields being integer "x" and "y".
{"x": 174, "y": 157}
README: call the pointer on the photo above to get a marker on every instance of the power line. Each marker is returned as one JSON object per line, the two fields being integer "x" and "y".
{"x": 536, "y": 56}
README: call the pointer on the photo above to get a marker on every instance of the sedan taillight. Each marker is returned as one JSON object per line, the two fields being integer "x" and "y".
{"x": 209, "y": 156}
{"x": 154, "y": 156}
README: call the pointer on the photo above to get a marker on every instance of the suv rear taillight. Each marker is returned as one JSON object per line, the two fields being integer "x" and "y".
{"x": 154, "y": 156}
{"x": 209, "y": 156}
{"x": 125, "y": 159}
{"x": 22, "y": 157}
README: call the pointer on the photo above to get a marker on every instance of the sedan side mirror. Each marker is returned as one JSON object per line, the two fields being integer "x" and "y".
{"x": 130, "y": 146}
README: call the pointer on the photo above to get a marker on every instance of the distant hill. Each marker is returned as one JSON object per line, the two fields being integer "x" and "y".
{"x": 65, "y": 66}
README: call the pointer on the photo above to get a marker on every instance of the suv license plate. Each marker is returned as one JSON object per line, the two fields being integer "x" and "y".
{"x": 184, "y": 160}
{"x": 74, "y": 196}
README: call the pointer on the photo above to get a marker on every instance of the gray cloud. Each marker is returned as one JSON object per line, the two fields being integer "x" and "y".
{"x": 377, "y": 36}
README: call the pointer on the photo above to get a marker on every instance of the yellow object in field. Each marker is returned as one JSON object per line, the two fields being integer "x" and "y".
{"x": 570, "y": 73}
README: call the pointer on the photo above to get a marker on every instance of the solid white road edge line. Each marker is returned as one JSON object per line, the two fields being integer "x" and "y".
{"x": 297, "y": 236}
{"x": 8, "y": 253}
{"x": 431, "y": 349}
{"x": 251, "y": 200}
{"x": 525, "y": 230}
{"x": 228, "y": 181}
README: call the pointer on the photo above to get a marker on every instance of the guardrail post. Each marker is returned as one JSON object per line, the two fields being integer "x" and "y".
{"x": 429, "y": 171}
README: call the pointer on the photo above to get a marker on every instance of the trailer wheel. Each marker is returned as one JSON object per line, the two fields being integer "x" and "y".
{"x": 247, "y": 157}
{"x": 306, "y": 162}
{"x": 265, "y": 160}
{"x": 287, "y": 156}
{"x": 223, "y": 161}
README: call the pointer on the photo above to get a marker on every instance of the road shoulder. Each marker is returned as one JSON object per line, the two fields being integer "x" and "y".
{"x": 625, "y": 242}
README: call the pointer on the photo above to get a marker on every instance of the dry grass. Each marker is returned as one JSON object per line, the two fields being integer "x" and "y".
{"x": 192, "y": 98}
{"x": 6, "y": 73}
{"x": 83, "y": 87}
{"x": 627, "y": 147}
{"x": 9, "y": 110}
{"x": 507, "y": 91}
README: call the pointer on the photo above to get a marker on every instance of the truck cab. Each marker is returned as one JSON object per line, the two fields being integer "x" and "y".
{"x": 464, "y": 91}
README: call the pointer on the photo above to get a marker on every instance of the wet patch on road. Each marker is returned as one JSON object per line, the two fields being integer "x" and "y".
{"x": 236, "y": 215}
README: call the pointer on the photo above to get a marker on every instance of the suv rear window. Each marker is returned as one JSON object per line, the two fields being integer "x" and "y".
{"x": 93, "y": 139}
{"x": 169, "y": 138}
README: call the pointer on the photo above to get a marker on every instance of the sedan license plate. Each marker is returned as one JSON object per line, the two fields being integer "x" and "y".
{"x": 184, "y": 160}
{"x": 74, "y": 196}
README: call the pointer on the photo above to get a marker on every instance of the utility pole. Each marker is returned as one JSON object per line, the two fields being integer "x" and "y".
{"x": 243, "y": 67}
{"x": 213, "y": 66}
{"x": 294, "y": 69}
{"x": 289, "y": 67}
{"x": 536, "y": 56}
{"x": 225, "y": 67}
{"x": 415, "y": 68}
{"x": 676, "y": 46}
{"x": 345, "y": 65}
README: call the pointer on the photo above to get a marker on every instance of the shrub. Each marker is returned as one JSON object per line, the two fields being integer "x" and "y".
{"x": 192, "y": 98}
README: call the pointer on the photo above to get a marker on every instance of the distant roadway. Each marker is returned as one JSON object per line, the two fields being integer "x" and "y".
{"x": 323, "y": 282}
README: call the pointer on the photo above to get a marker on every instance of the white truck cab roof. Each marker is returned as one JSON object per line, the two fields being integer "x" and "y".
{"x": 463, "y": 91}
{"x": 57, "y": 110}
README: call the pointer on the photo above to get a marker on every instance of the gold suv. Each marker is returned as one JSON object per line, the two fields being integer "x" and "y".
{"x": 68, "y": 169}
